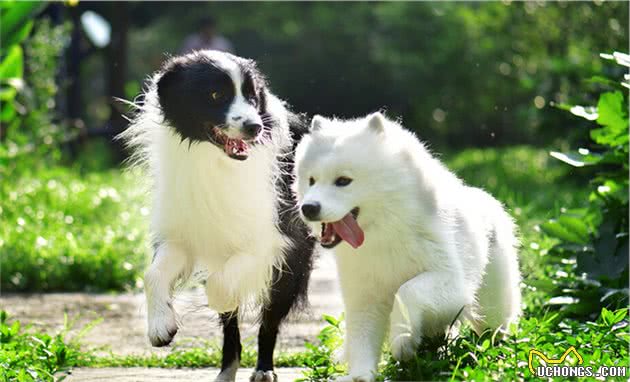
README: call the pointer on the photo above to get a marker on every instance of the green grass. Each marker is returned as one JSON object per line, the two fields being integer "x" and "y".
{"x": 102, "y": 247}
{"x": 488, "y": 357}
{"x": 26, "y": 355}
{"x": 61, "y": 230}
{"x": 199, "y": 356}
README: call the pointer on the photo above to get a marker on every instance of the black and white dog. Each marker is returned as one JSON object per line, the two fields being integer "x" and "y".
{"x": 219, "y": 147}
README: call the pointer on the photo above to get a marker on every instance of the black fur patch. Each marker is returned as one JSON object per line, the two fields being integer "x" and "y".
{"x": 185, "y": 90}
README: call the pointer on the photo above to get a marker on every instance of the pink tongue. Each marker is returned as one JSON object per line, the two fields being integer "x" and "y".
{"x": 230, "y": 144}
{"x": 348, "y": 229}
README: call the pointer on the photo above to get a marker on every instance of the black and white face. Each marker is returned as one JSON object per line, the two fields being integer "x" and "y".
{"x": 211, "y": 96}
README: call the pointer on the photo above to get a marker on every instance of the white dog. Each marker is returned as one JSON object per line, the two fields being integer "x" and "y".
{"x": 416, "y": 244}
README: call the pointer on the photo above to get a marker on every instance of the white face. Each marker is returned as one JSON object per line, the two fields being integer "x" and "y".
{"x": 241, "y": 110}
{"x": 334, "y": 169}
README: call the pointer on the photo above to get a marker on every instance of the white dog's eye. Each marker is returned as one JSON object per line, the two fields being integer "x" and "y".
{"x": 311, "y": 181}
{"x": 216, "y": 96}
{"x": 343, "y": 181}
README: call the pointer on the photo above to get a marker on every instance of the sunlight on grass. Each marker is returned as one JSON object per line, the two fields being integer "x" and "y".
{"x": 65, "y": 232}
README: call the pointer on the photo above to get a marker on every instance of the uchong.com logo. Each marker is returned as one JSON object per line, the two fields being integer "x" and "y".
{"x": 555, "y": 368}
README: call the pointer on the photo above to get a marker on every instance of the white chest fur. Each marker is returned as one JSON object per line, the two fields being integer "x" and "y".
{"x": 214, "y": 206}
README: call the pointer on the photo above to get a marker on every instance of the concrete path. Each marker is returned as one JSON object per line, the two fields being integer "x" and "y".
{"x": 139, "y": 374}
{"x": 122, "y": 330}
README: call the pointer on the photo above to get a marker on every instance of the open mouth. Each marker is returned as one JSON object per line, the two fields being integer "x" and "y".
{"x": 234, "y": 148}
{"x": 345, "y": 229}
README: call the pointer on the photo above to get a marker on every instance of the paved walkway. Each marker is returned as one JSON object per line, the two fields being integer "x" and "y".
{"x": 139, "y": 374}
{"x": 123, "y": 327}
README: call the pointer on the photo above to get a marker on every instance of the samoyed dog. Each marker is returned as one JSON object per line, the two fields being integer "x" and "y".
{"x": 414, "y": 245}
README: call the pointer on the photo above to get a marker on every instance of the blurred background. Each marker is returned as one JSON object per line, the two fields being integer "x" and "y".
{"x": 487, "y": 84}
{"x": 460, "y": 74}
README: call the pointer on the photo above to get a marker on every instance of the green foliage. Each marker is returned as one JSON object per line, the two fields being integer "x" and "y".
{"x": 459, "y": 73}
{"x": 595, "y": 238}
{"x": 15, "y": 26}
{"x": 29, "y": 356}
{"x": 61, "y": 230}
{"x": 198, "y": 356}
{"x": 319, "y": 358}
{"x": 490, "y": 358}
{"x": 30, "y": 134}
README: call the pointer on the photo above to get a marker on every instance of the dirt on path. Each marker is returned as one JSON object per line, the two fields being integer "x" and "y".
{"x": 123, "y": 327}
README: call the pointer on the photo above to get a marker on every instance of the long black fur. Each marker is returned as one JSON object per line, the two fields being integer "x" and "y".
{"x": 183, "y": 95}
{"x": 290, "y": 284}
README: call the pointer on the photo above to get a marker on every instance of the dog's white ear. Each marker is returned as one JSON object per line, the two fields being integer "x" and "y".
{"x": 317, "y": 123}
{"x": 376, "y": 122}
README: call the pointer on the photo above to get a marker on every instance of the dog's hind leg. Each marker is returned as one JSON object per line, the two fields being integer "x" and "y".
{"x": 288, "y": 288}
{"x": 170, "y": 263}
{"x": 231, "y": 347}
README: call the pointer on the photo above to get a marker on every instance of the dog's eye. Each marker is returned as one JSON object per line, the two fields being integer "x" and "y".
{"x": 216, "y": 96}
{"x": 343, "y": 181}
{"x": 311, "y": 181}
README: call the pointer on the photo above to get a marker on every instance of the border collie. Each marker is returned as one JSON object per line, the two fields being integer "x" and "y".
{"x": 219, "y": 146}
{"x": 414, "y": 245}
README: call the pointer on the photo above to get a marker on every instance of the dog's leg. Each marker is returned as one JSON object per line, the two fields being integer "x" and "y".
{"x": 169, "y": 264}
{"x": 499, "y": 297}
{"x": 366, "y": 323}
{"x": 288, "y": 287}
{"x": 231, "y": 347}
{"x": 425, "y": 305}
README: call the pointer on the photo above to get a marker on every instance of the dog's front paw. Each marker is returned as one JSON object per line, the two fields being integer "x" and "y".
{"x": 162, "y": 327}
{"x": 362, "y": 377}
{"x": 263, "y": 376}
{"x": 403, "y": 347}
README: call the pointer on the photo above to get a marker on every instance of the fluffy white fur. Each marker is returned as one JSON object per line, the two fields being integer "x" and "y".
{"x": 209, "y": 210}
{"x": 432, "y": 244}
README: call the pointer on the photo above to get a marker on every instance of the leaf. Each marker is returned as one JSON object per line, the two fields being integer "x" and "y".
{"x": 7, "y": 94}
{"x": 330, "y": 319}
{"x": 556, "y": 229}
{"x": 18, "y": 35}
{"x": 588, "y": 112}
{"x": 612, "y": 115}
{"x": 575, "y": 159}
{"x": 7, "y": 113}
{"x": 607, "y": 316}
{"x": 12, "y": 66}
{"x": 620, "y": 315}
{"x": 603, "y": 81}
{"x": 16, "y": 16}
{"x": 575, "y": 225}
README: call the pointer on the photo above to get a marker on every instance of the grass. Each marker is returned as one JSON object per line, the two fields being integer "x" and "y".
{"x": 84, "y": 228}
{"x": 30, "y": 356}
{"x": 472, "y": 357}
{"x": 61, "y": 230}
{"x": 103, "y": 245}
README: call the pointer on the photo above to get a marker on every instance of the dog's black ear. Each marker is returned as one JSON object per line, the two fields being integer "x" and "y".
{"x": 317, "y": 123}
{"x": 376, "y": 122}
{"x": 167, "y": 87}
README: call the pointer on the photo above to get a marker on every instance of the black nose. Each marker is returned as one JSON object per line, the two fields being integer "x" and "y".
{"x": 251, "y": 129}
{"x": 311, "y": 210}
